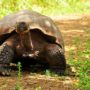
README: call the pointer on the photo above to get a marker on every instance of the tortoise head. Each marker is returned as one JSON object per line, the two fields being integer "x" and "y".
{"x": 22, "y": 27}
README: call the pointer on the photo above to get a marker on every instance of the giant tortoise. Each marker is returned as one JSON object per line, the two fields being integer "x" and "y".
{"x": 30, "y": 34}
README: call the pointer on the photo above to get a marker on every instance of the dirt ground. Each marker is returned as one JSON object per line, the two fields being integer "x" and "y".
{"x": 70, "y": 26}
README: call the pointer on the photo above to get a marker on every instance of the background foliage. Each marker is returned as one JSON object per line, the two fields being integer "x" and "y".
{"x": 47, "y": 7}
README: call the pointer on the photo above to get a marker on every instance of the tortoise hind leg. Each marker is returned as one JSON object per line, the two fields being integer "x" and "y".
{"x": 6, "y": 55}
{"x": 55, "y": 57}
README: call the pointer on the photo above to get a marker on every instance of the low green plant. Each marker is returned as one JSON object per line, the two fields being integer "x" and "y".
{"x": 50, "y": 73}
{"x": 19, "y": 77}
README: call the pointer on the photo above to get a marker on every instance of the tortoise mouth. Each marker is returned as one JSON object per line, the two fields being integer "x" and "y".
{"x": 22, "y": 27}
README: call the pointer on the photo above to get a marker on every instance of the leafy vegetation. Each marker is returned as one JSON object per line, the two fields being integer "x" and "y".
{"x": 81, "y": 61}
{"x": 47, "y": 7}
{"x": 19, "y": 76}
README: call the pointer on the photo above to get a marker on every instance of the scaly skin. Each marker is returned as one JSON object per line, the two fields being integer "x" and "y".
{"x": 53, "y": 55}
{"x": 6, "y": 56}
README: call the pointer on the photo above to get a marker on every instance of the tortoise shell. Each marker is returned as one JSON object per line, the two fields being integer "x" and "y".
{"x": 36, "y": 21}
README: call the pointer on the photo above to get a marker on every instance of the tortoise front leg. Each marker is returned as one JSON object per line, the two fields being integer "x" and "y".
{"x": 6, "y": 55}
{"x": 54, "y": 56}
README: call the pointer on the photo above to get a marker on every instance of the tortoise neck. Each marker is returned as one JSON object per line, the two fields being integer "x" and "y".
{"x": 26, "y": 41}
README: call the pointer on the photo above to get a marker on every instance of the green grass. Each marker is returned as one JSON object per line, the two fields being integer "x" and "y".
{"x": 82, "y": 61}
{"x": 47, "y": 7}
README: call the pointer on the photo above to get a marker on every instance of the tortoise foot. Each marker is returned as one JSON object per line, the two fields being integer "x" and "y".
{"x": 6, "y": 55}
{"x": 58, "y": 71}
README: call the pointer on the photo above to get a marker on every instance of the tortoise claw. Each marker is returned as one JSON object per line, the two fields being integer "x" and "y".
{"x": 31, "y": 55}
{"x": 5, "y": 71}
{"x": 34, "y": 54}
